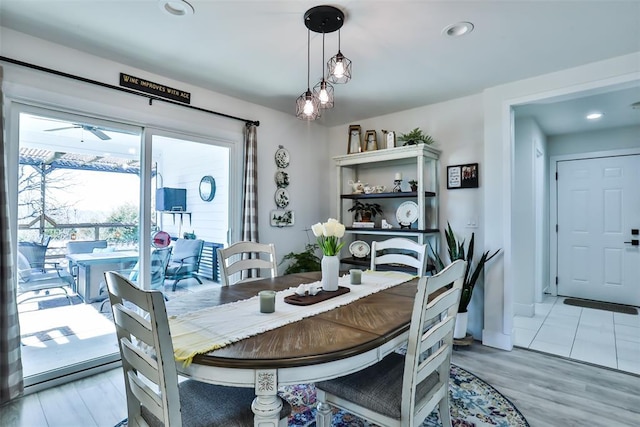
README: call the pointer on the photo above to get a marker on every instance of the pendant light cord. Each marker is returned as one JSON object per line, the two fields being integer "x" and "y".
{"x": 322, "y": 63}
{"x": 308, "y": 59}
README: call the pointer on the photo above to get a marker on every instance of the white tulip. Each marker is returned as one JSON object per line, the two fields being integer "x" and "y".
{"x": 339, "y": 230}
{"x": 330, "y": 228}
{"x": 317, "y": 229}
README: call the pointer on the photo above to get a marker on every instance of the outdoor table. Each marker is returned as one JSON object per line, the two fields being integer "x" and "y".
{"x": 91, "y": 268}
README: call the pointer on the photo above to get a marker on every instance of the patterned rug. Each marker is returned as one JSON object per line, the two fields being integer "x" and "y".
{"x": 473, "y": 403}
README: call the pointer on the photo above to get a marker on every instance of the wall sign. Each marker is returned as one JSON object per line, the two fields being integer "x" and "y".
{"x": 157, "y": 89}
{"x": 462, "y": 176}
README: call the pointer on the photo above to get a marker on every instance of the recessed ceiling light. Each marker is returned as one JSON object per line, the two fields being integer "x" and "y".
{"x": 594, "y": 116}
{"x": 458, "y": 29}
{"x": 176, "y": 7}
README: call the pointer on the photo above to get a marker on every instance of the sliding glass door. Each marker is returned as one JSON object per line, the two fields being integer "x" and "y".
{"x": 95, "y": 193}
{"x": 78, "y": 195}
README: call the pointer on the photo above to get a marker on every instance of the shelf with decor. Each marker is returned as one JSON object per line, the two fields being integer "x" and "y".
{"x": 368, "y": 176}
{"x": 400, "y": 194}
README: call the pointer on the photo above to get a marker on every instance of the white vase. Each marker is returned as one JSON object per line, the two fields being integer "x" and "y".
{"x": 330, "y": 267}
{"x": 460, "y": 330}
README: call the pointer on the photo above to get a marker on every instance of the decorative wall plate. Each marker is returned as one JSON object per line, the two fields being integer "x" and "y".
{"x": 282, "y": 179}
{"x": 407, "y": 213}
{"x": 359, "y": 249}
{"x": 281, "y": 198}
{"x": 282, "y": 158}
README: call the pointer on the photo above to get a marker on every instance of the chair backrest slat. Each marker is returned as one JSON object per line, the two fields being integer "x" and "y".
{"x": 243, "y": 256}
{"x": 141, "y": 361}
{"x": 399, "y": 251}
{"x": 131, "y": 321}
{"x": 431, "y": 336}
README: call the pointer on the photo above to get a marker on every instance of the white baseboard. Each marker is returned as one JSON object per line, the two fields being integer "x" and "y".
{"x": 497, "y": 340}
{"x": 527, "y": 310}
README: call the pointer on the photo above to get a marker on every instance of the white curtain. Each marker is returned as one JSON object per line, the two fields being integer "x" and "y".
{"x": 11, "y": 383}
{"x": 250, "y": 184}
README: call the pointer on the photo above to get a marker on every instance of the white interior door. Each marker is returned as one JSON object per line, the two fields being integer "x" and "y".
{"x": 598, "y": 207}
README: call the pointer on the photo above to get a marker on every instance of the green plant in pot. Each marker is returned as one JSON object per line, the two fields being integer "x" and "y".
{"x": 416, "y": 136}
{"x": 365, "y": 212}
{"x": 457, "y": 251}
{"x": 301, "y": 262}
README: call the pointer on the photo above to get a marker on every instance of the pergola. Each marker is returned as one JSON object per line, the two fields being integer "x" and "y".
{"x": 45, "y": 161}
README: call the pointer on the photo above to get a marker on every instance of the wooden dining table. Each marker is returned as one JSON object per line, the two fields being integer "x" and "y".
{"x": 324, "y": 346}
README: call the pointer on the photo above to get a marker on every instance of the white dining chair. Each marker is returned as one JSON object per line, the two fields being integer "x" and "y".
{"x": 398, "y": 252}
{"x": 244, "y": 256}
{"x": 402, "y": 390}
{"x": 154, "y": 396}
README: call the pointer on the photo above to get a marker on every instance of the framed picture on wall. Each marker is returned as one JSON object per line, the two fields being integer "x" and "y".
{"x": 462, "y": 176}
{"x": 355, "y": 139}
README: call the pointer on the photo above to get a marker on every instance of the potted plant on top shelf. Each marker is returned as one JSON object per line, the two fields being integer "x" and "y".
{"x": 416, "y": 136}
{"x": 365, "y": 212}
{"x": 457, "y": 251}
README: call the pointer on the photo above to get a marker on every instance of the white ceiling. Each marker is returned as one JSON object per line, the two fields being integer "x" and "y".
{"x": 256, "y": 50}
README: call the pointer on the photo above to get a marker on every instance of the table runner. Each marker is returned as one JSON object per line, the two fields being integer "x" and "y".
{"x": 205, "y": 330}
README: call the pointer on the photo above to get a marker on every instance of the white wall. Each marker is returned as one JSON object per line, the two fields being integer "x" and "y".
{"x": 498, "y": 179}
{"x": 457, "y": 127}
{"x": 600, "y": 140}
{"x": 527, "y": 227}
{"x": 307, "y": 142}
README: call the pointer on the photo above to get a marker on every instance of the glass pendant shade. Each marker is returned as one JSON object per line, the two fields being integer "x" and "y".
{"x": 339, "y": 69}
{"x": 307, "y": 106}
{"x": 324, "y": 92}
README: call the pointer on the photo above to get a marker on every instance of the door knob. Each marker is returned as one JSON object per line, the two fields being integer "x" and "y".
{"x": 634, "y": 242}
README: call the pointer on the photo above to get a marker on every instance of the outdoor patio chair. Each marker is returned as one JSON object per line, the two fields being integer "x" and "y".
{"x": 41, "y": 275}
{"x": 235, "y": 259}
{"x": 159, "y": 261}
{"x": 185, "y": 260}
{"x": 398, "y": 252}
{"x": 154, "y": 396}
{"x": 402, "y": 390}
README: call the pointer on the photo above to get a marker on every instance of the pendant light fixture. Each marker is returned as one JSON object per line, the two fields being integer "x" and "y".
{"x": 307, "y": 104}
{"x": 323, "y": 89}
{"x": 339, "y": 67}
{"x": 320, "y": 19}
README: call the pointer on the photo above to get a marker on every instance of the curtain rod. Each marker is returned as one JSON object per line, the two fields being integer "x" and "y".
{"x": 122, "y": 89}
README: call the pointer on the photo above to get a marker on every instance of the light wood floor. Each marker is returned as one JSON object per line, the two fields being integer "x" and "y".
{"x": 549, "y": 391}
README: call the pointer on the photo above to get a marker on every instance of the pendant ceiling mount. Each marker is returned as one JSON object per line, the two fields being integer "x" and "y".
{"x": 324, "y": 19}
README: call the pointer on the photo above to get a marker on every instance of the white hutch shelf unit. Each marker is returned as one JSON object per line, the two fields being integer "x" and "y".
{"x": 417, "y": 162}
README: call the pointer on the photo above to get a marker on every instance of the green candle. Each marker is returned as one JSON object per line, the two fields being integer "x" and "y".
{"x": 267, "y": 301}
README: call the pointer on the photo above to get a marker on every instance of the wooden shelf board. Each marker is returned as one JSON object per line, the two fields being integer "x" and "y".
{"x": 400, "y": 194}
{"x": 393, "y": 230}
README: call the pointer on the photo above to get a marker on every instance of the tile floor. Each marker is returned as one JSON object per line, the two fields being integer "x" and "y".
{"x": 596, "y": 336}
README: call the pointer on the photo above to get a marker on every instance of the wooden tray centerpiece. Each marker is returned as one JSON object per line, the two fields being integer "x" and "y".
{"x": 308, "y": 299}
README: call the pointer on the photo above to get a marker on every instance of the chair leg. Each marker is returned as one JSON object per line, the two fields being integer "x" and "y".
{"x": 198, "y": 279}
{"x": 323, "y": 415}
{"x": 174, "y": 284}
{"x": 445, "y": 415}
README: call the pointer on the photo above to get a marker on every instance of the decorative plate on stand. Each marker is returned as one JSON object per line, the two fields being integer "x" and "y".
{"x": 407, "y": 213}
{"x": 359, "y": 249}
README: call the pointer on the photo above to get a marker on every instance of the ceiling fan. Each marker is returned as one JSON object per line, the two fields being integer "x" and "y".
{"x": 93, "y": 129}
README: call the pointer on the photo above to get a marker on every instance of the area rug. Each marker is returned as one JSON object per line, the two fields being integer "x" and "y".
{"x": 474, "y": 403}
{"x": 607, "y": 306}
